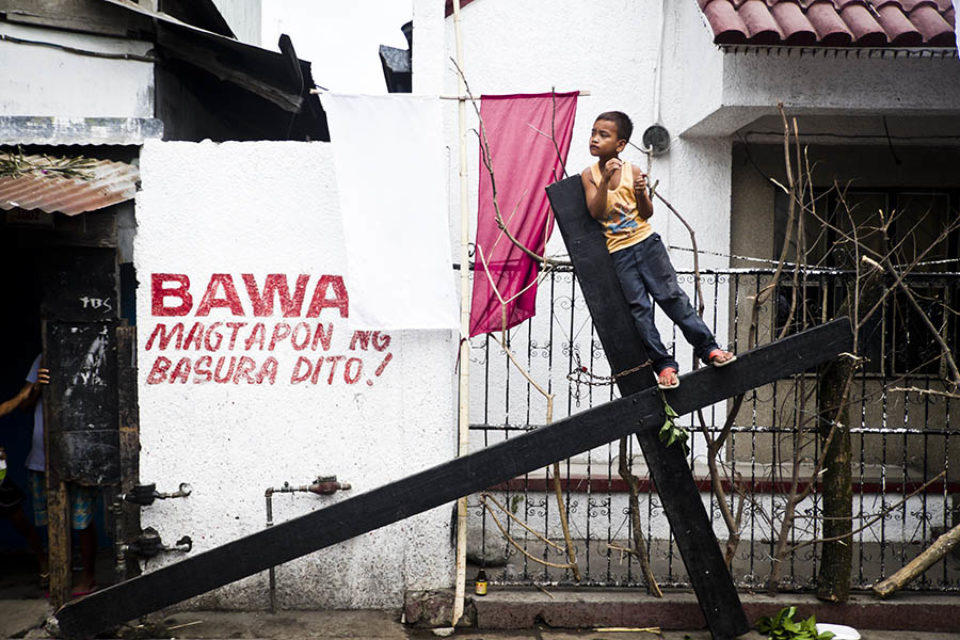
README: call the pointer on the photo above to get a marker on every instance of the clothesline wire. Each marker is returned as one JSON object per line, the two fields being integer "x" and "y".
{"x": 793, "y": 264}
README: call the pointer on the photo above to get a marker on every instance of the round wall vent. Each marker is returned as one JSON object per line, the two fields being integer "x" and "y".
{"x": 657, "y": 139}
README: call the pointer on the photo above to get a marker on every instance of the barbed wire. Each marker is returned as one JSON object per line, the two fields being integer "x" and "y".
{"x": 808, "y": 268}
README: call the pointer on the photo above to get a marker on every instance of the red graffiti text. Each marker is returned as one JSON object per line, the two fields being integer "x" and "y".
{"x": 171, "y": 295}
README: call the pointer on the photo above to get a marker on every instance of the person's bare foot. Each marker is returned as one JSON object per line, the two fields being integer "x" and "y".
{"x": 720, "y": 358}
{"x": 667, "y": 379}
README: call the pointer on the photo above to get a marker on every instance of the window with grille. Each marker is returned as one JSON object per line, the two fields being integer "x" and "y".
{"x": 910, "y": 228}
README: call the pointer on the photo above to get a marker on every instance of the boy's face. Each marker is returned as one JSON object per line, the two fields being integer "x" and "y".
{"x": 605, "y": 141}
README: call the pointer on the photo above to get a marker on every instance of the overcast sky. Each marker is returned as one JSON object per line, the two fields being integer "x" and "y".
{"x": 339, "y": 37}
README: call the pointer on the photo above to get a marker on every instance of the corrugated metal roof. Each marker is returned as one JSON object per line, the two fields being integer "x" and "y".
{"x": 107, "y": 183}
{"x": 280, "y": 78}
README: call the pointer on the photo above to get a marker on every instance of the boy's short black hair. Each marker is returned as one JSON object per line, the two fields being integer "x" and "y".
{"x": 622, "y": 120}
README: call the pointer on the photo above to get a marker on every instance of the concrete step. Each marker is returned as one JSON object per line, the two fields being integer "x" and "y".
{"x": 503, "y": 609}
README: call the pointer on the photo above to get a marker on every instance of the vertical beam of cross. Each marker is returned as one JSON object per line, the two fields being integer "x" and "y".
{"x": 668, "y": 466}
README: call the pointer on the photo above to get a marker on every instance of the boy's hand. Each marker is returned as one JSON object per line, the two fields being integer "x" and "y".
{"x": 43, "y": 376}
{"x": 611, "y": 166}
{"x": 640, "y": 182}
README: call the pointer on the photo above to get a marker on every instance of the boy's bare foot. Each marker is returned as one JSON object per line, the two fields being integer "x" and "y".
{"x": 720, "y": 358}
{"x": 667, "y": 379}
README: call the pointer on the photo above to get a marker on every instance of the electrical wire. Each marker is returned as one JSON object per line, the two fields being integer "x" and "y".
{"x": 80, "y": 52}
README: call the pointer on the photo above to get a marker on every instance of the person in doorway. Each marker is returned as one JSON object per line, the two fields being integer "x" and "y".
{"x": 11, "y": 496}
{"x": 617, "y": 197}
{"x": 82, "y": 499}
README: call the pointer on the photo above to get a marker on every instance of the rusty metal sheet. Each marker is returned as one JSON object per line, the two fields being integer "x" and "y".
{"x": 104, "y": 183}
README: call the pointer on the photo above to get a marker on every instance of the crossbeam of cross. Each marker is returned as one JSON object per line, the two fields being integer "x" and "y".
{"x": 639, "y": 412}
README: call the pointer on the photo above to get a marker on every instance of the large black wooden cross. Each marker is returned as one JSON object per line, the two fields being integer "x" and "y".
{"x": 639, "y": 412}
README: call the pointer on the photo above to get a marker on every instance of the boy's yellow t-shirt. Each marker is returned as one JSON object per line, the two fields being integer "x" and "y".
{"x": 622, "y": 225}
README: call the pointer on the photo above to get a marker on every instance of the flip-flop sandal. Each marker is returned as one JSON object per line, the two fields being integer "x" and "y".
{"x": 717, "y": 363}
{"x": 83, "y": 592}
{"x": 662, "y": 383}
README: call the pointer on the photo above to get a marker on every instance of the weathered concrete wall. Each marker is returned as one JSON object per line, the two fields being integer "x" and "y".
{"x": 371, "y": 416}
{"x": 44, "y": 81}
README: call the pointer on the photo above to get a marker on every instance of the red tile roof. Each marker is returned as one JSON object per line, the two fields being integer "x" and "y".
{"x": 832, "y": 23}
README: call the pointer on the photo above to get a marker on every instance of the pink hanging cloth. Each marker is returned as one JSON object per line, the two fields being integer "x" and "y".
{"x": 525, "y": 160}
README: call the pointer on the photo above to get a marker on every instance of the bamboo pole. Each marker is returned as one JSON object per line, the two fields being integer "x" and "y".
{"x": 943, "y": 545}
{"x": 473, "y": 99}
{"x": 464, "y": 416}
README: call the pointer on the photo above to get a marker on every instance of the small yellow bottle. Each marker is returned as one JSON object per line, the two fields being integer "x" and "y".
{"x": 480, "y": 587}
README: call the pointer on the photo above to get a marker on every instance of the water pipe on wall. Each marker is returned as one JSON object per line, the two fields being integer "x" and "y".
{"x": 322, "y": 486}
{"x": 148, "y": 543}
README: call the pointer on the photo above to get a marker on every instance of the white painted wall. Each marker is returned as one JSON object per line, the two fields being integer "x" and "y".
{"x": 512, "y": 47}
{"x": 692, "y": 83}
{"x": 44, "y": 81}
{"x": 264, "y": 208}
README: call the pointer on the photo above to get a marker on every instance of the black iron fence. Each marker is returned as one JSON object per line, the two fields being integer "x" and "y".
{"x": 903, "y": 421}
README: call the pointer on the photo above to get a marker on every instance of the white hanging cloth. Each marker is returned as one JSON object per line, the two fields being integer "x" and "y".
{"x": 391, "y": 180}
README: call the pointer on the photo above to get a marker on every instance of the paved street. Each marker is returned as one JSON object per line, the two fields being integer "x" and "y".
{"x": 24, "y": 618}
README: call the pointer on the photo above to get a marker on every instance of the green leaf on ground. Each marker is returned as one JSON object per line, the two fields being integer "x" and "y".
{"x": 783, "y": 627}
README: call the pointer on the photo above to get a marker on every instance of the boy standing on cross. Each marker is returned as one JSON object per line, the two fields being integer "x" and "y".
{"x": 617, "y": 197}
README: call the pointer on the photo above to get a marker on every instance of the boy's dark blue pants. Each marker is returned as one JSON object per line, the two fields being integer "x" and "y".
{"x": 645, "y": 271}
